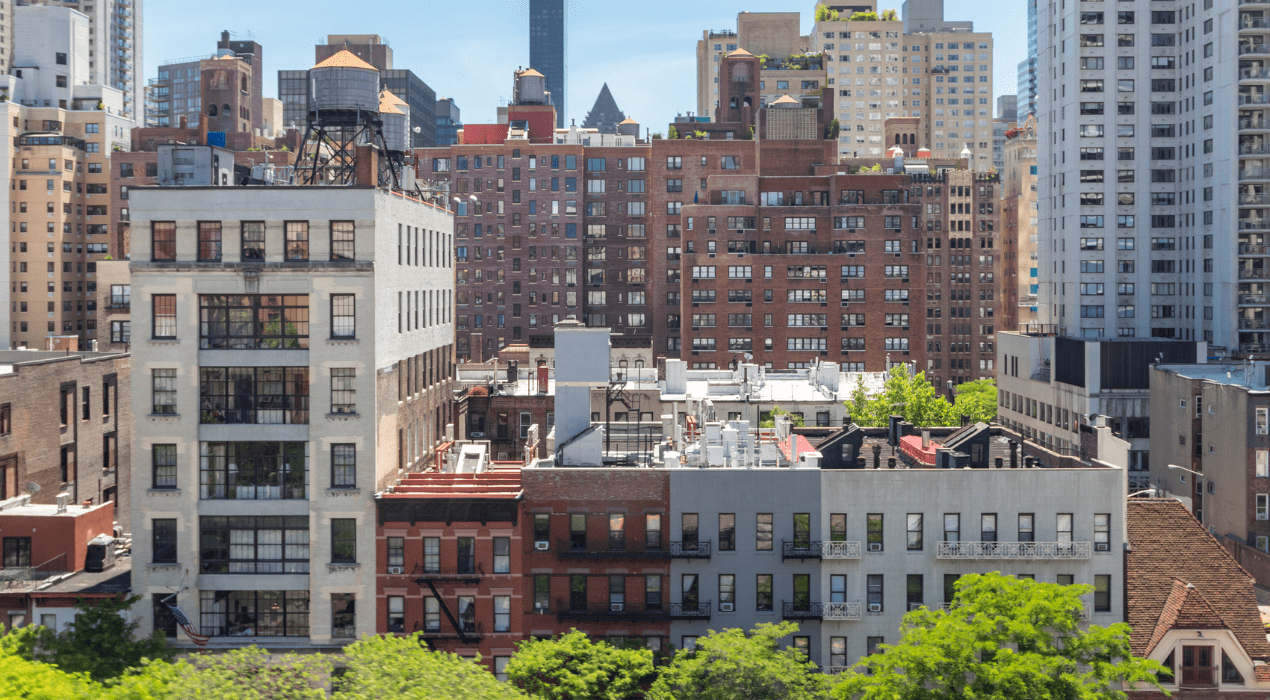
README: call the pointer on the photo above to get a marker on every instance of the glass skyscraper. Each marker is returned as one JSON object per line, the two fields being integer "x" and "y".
{"x": 548, "y": 49}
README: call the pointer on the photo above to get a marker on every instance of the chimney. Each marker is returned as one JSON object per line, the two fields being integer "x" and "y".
{"x": 999, "y": 462}
{"x": 367, "y": 166}
{"x": 1027, "y": 462}
{"x": 925, "y": 438}
{"x": 185, "y": 122}
{"x": 890, "y": 462}
{"x": 877, "y": 456}
{"x": 1014, "y": 454}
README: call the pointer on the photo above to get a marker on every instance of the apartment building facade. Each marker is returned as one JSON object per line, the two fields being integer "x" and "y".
{"x": 1019, "y": 265}
{"x": 1153, "y": 88}
{"x": 319, "y": 321}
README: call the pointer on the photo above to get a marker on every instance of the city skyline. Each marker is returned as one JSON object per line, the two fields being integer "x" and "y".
{"x": 649, "y": 92}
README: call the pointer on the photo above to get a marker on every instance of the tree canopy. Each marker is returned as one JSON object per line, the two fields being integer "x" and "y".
{"x": 1003, "y": 638}
{"x": 572, "y": 667}
{"x": 384, "y": 667}
{"x": 733, "y": 665}
{"x": 823, "y": 13}
{"x": 99, "y": 643}
{"x": 920, "y": 403}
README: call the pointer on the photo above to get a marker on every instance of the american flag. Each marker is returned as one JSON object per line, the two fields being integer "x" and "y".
{"x": 200, "y": 640}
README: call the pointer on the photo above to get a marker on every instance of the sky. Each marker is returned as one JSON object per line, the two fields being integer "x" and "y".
{"x": 645, "y": 51}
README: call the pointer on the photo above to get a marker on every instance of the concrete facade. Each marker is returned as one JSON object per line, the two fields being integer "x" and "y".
{"x": 366, "y": 279}
{"x": 1019, "y": 273}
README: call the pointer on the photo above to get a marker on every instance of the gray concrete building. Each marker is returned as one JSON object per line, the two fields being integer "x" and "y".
{"x": 293, "y": 355}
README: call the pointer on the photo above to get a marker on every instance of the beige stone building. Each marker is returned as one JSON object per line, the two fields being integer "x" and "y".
{"x": 773, "y": 34}
{"x": 1018, "y": 221}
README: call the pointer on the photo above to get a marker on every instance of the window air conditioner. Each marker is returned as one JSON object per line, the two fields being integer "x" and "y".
{"x": 478, "y": 435}
{"x": 725, "y": 607}
{"x": 542, "y": 546}
{"x": 875, "y": 607}
{"x": 394, "y": 569}
{"x": 875, "y": 546}
{"x": 617, "y": 607}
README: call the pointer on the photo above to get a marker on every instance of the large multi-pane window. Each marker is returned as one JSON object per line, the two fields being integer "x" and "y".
{"x": 163, "y": 531}
{"x": 343, "y": 466}
{"x": 396, "y": 551}
{"x": 914, "y": 533}
{"x": 17, "y": 552}
{"x": 343, "y": 393}
{"x": 763, "y": 533}
{"x": 253, "y": 321}
{"x": 763, "y": 593}
{"x": 254, "y": 613}
{"x": 254, "y": 545}
{"x": 253, "y": 470}
{"x": 431, "y": 554}
{"x": 164, "y": 391}
{"x": 163, "y": 463}
{"x": 209, "y": 240}
{"x": 343, "y": 615}
{"x": 263, "y": 395}
{"x": 163, "y": 319}
{"x": 342, "y": 242}
{"x": 253, "y": 241}
{"x": 343, "y": 540}
{"x": 163, "y": 241}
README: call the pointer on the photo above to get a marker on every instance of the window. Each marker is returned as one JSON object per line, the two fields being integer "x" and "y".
{"x": 837, "y": 527}
{"x": 253, "y": 321}
{"x": 1263, "y": 420}
{"x": 502, "y": 555}
{"x": 164, "y": 315}
{"x": 397, "y": 614}
{"x": 502, "y": 613}
{"x": 342, "y": 241}
{"x": 163, "y": 531}
{"x": 952, "y": 527}
{"x": 17, "y": 552}
{"x": 1064, "y": 528}
{"x": 988, "y": 527}
{"x": 727, "y": 532}
{"x": 802, "y": 592}
{"x": 254, "y": 545}
{"x": 950, "y": 587}
{"x": 837, "y": 653}
{"x": 1102, "y": 593}
{"x": 262, "y": 395}
{"x": 873, "y": 531}
{"x": 396, "y": 551}
{"x": 617, "y": 532}
{"x": 1263, "y": 461}
{"x": 431, "y": 554}
{"x": 343, "y": 393}
{"x": 209, "y": 240}
{"x": 652, "y": 531}
{"x": 762, "y": 588}
{"x": 121, "y": 331}
{"x": 343, "y": 540}
{"x": 802, "y": 530}
{"x": 763, "y": 532}
{"x": 873, "y": 589}
{"x": 343, "y": 615}
{"x": 253, "y": 470}
{"x": 727, "y": 589}
{"x": 163, "y": 241}
{"x": 163, "y": 465}
{"x": 1263, "y": 506}
{"x": 542, "y": 592}
{"x": 689, "y": 531}
{"x": 343, "y": 466}
{"x": 1102, "y": 532}
{"x": 1026, "y": 532}
{"x": 6, "y": 418}
{"x": 297, "y": 244}
{"x": 253, "y": 241}
{"x": 914, "y": 531}
{"x": 163, "y": 389}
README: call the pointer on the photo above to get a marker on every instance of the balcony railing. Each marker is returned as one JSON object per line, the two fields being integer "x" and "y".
{"x": 1251, "y": 150}
{"x": 1253, "y": 224}
{"x": 1253, "y": 324}
{"x": 799, "y": 549}
{"x": 690, "y": 611}
{"x": 1254, "y": 198}
{"x": 1253, "y": 49}
{"x": 1254, "y": 249}
{"x": 448, "y": 573}
{"x": 802, "y": 611}
{"x": 840, "y": 550}
{"x": 1199, "y": 675}
{"x": 599, "y": 612}
{"x": 1254, "y": 299}
{"x": 1253, "y": 23}
{"x": 1012, "y": 550}
{"x": 1253, "y": 274}
{"x": 1254, "y": 99}
{"x": 1254, "y": 73}
{"x": 841, "y": 611}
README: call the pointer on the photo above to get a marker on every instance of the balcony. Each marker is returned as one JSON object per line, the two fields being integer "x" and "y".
{"x": 1198, "y": 677}
{"x": 802, "y": 610}
{"x": 604, "y": 612}
{"x": 800, "y": 549}
{"x": 1248, "y": 22}
{"x": 1254, "y": 300}
{"x": 1254, "y": 224}
{"x": 1254, "y": 174}
{"x": 1254, "y": 99}
{"x": 471, "y": 633}
{"x": 1254, "y": 50}
{"x": 841, "y": 611}
{"x": 470, "y": 573}
{"x": 1254, "y": 198}
{"x": 606, "y": 549}
{"x": 840, "y": 550}
{"x": 1253, "y": 324}
{"x": 1254, "y": 249}
{"x": 690, "y": 611}
{"x": 1012, "y": 550}
{"x": 1253, "y": 274}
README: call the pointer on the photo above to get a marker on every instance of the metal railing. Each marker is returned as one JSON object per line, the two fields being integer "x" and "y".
{"x": 802, "y": 611}
{"x": 690, "y": 611}
{"x": 841, "y": 550}
{"x": 1254, "y": 299}
{"x": 570, "y": 610}
{"x": 799, "y": 549}
{"x": 1012, "y": 550}
{"x": 841, "y": 611}
{"x": 1255, "y": 198}
{"x": 1253, "y": 324}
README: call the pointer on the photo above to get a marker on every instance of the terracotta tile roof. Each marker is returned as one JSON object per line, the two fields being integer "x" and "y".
{"x": 628, "y": 120}
{"x": 795, "y": 446}
{"x": 344, "y": 59}
{"x": 531, "y": 73}
{"x": 1180, "y": 577}
{"x": 740, "y": 53}
{"x": 1262, "y": 672}
{"x": 390, "y": 98}
{"x": 784, "y": 100}
{"x": 502, "y": 484}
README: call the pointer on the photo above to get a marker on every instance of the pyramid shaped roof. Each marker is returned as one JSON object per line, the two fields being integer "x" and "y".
{"x": 604, "y": 114}
{"x": 345, "y": 59}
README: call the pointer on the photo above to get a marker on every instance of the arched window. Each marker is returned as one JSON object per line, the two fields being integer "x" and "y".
{"x": 749, "y": 102}
{"x": 219, "y": 80}
{"x": 244, "y": 88}
{"x": 225, "y": 109}
{"x": 733, "y": 103}
{"x": 211, "y": 110}
{"x": 897, "y": 139}
{"x": 741, "y": 73}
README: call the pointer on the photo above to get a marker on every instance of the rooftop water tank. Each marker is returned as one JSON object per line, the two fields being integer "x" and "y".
{"x": 531, "y": 87}
{"x": 396, "y": 124}
{"x": 344, "y": 82}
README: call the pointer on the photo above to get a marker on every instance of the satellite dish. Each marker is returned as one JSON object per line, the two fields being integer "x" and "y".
{"x": 32, "y": 487}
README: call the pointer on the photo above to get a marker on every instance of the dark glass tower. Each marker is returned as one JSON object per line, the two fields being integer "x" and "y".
{"x": 548, "y": 49}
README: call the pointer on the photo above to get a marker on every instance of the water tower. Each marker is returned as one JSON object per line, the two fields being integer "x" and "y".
{"x": 343, "y": 114}
{"x": 395, "y": 114}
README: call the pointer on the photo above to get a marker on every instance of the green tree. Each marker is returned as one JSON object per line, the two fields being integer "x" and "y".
{"x": 32, "y": 680}
{"x": 864, "y": 17}
{"x": 977, "y": 399}
{"x": 831, "y": 131}
{"x": 912, "y": 397}
{"x": 770, "y": 420}
{"x": 890, "y": 15}
{"x": 381, "y": 668}
{"x": 733, "y": 665}
{"x": 572, "y": 667}
{"x": 823, "y": 14}
{"x": 674, "y": 133}
{"x": 1002, "y": 639}
{"x": 250, "y": 673}
{"x": 100, "y": 642}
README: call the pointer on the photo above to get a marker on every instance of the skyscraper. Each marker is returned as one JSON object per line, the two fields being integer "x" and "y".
{"x": 548, "y": 49}
{"x": 1027, "y": 69}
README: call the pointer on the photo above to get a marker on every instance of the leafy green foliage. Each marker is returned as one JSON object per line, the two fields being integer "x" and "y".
{"x": 674, "y": 133}
{"x": 890, "y": 16}
{"x": 380, "y": 668}
{"x": 733, "y": 665}
{"x": 769, "y": 418}
{"x": 864, "y": 17}
{"x": 912, "y": 397}
{"x": 99, "y": 643}
{"x": 31, "y": 680}
{"x": 242, "y": 674}
{"x": 1003, "y": 639}
{"x": 977, "y": 399}
{"x": 823, "y": 14}
{"x": 572, "y": 667}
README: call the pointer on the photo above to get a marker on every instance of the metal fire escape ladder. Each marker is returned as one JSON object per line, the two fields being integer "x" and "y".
{"x": 445, "y": 609}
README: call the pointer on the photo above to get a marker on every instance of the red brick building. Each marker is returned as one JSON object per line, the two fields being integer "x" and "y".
{"x": 450, "y": 558}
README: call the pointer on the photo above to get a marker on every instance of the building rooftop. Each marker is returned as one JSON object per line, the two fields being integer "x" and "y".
{"x": 21, "y": 506}
{"x": 1180, "y": 577}
{"x": 1250, "y": 375}
{"x": 784, "y": 100}
{"x": 117, "y": 579}
{"x": 13, "y": 357}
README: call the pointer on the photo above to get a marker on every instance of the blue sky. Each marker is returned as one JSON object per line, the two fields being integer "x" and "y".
{"x": 467, "y": 50}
